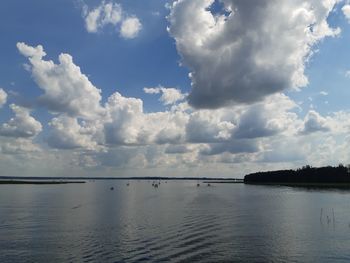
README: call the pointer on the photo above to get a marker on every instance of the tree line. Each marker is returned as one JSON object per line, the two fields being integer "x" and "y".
{"x": 306, "y": 174}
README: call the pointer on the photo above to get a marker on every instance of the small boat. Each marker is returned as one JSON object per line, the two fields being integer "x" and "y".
{"x": 208, "y": 184}
{"x": 112, "y": 188}
{"x": 127, "y": 184}
{"x": 155, "y": 185}
{"x": 198, "y": 185}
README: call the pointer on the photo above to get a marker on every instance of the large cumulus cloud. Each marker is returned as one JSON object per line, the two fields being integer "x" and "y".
{"x": 260, "y": 48}
{"x": 66, "y": 88}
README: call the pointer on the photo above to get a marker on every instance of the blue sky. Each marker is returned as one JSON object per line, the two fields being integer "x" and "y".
{"x": 244, "y": 107}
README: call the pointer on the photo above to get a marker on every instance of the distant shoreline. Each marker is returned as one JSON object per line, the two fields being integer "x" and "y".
{"x": 33, "y": 178}
{"x": 307, "y": 176}
{"x": 236, "y": 181}
{"x": 39, "y": 182}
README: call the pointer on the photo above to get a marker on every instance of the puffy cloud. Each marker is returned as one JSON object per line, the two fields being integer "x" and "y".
{"x": 270, "y": 117}
{"x": 259, "y": 48}
{"x": 21, "y": 125}
{"x": 346, "y": 11}
{"x": 104, "y": 14}
{"x": 314, "y": 122}
{"x": 19, "y": 146}
{"x": 267, "y": 118}
{"x": 254, "y": 124}
{"x": 128, "y": 124}
{"x": 66, "y": 89}
{"x": 108, "y": 13}
{"x": 31, "y": 52}
{"x": 130, "y": 27}
{"x": 67, "y": 133}
{"x": 208, "y": 126}
{"x": 3, "y": 97}
{"x": 125, "y": 119}
{"x": 169, "y": 95}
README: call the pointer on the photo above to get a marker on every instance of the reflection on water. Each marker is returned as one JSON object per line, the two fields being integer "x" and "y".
{"x": 176, "y": 222}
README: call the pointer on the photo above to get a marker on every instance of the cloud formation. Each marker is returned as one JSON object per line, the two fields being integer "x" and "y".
{"x": 130, "y": 27}
{"x": 3, "y": 97}
{"x": 346, "y": 12}
{"x": 66, "y": 89}
{"x": 19, "y": 146}
{"x": 21, "y": 125}
{"x": 169, "y": 95}
{"x": 108, "y": 13}
{"x": 314, "y": 122}
{"x": 120, "y": 134}
{"x": 67, "y": 133}
{"x": 104, "y": 14}
{"x": 251, "y": 50}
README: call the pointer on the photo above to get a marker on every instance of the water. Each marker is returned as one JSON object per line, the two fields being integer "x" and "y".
{"x": 176, "y": 222}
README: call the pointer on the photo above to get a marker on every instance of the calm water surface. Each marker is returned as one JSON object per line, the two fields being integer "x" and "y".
{"x": 178, "y": 222}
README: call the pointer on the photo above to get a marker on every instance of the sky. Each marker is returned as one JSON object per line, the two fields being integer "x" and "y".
{"x": 173, "y": 88}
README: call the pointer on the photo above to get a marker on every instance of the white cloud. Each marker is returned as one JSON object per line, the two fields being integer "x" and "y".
{"x": 67, "y": 133}
{"x": 209, "y": 126}
{"x": 21, "y": 125}
{"x": 19, "y": 146}
{"x": 125, "y": 119}
{"x": 65, "y": 88}
{"x": 258, "y": 49}
{"x": 314, "y": 122}
{"x": 104, "y": 14}
{"x": 130, "y": 27}
{"x": 108, "y": 13}
{"x": 169, "y": 95}
{"x": 121, "y": 135}
{"x": 32, "y": 52}
{"x": 270, "y": 117}
{"x": 128, "y": 124}
{"x": 3, "y": 97}
{"x": 347, "y": 73}
{"x": 152, "y": 90}
{"x": 346, "y": 12}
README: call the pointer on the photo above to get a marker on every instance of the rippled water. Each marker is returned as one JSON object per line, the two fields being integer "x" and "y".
{"x": 176, "y": 222}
